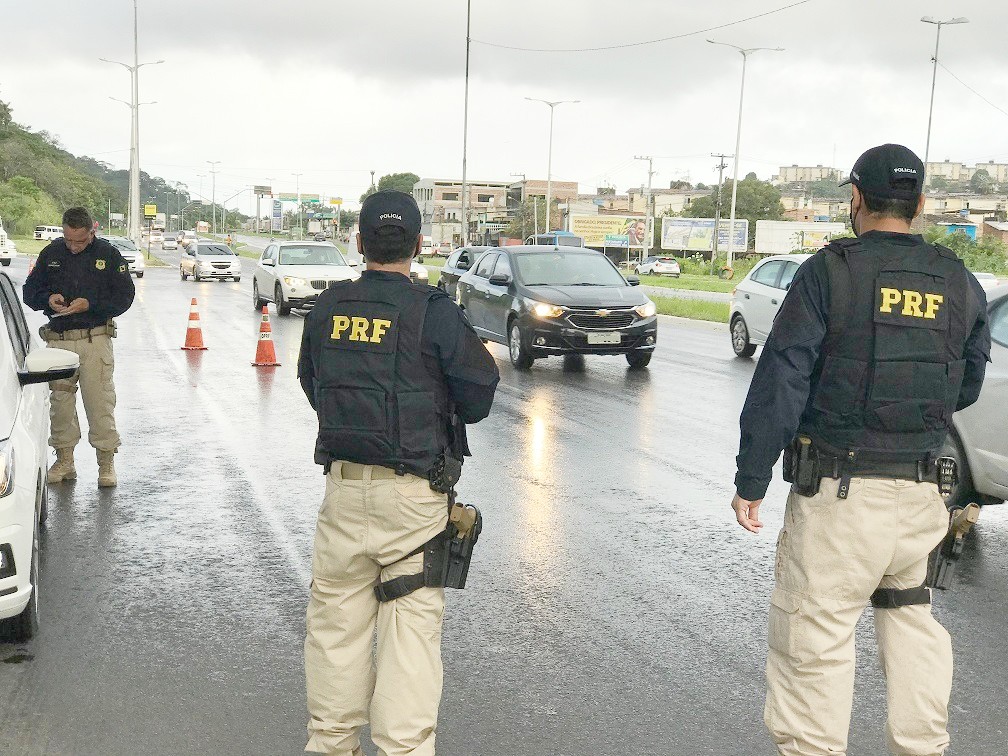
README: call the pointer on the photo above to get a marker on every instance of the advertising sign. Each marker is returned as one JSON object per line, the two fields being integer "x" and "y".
{"x": 117, "y": 217}
{"x": 697, "y": 234}
{"x": 276, "y": 222}
{"x": 624, "y": 230}
{"x": 150, "y": 211}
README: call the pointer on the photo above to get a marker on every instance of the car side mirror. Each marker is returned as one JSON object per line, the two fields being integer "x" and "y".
{"x": 633, "y": 280}
{"x": 500, "y": 279}
{"x": 268, "y": 262}
{"x": 48, "y": 364}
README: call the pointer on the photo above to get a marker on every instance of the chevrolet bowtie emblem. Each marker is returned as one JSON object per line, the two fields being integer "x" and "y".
{"x": 603, "y": 313}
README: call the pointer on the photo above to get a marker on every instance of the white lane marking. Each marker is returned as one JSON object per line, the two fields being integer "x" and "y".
{"x": 261, "y": 498}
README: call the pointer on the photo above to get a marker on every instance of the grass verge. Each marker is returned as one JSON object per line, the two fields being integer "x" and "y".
{"x": 691, "y": 282}
{"x": 697, "y": 309}
{"x": 433, "y": 261}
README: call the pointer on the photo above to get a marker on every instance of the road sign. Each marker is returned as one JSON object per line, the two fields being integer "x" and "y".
{"x": 288, "y": 197}
{"x": 150, "y": 211}
{"x": 336, "y": 201}
{"x": 312, "y": 198}
{"x": 262, "y": 191}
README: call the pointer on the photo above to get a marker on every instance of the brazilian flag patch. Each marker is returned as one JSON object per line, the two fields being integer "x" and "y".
{"x": 122, "y": 268}
{"x": 100, "y": 264}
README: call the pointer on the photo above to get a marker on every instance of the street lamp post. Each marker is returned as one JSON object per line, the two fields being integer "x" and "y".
{"x": 297, "y": 184}
{"x": 934, "y": 75}
{"x": 213, "y": 192}
{"x": 549, "y": 158}
{"x": 134, "y": 177}
{"x": 745, "y": 52}
{"x": 465, "y": 132}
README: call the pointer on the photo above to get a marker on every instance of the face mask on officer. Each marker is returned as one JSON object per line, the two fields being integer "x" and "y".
{"x": 854, "y": 211}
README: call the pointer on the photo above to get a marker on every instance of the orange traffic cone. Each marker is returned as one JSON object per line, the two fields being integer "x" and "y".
{"x": 194, "y": 334}
{"x": 265, "y": 353}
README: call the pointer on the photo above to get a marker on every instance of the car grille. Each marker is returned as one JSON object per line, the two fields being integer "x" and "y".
{"x": 592, "y": 320}
{"x": 321, "y": 285}
{"x": 222, "y": 266}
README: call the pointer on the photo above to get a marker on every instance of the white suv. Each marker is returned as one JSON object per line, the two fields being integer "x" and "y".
{"x": 293, "y": 273}
{"x": 25, "y": 368}
{"x": 756, "y": 300}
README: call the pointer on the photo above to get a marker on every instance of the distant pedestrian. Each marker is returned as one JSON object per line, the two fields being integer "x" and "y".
{"x": 82, "y": 282}
{"x": 879, "y": 340}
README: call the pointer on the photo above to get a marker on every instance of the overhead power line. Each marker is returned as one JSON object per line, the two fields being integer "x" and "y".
{"x": 996, "y": 107}
{"x": 644, "y": 42}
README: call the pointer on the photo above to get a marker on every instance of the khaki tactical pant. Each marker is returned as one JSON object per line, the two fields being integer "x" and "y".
{"x": 831, "y": 555}
{"x": 371, "y": 518}
{"x": 97, "y": 391}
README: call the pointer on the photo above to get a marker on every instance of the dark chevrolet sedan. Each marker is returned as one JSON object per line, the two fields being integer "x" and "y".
{"x": 456, "y": 265}
{"x": 544, "y": 301}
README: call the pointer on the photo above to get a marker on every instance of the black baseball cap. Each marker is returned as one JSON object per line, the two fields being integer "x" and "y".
{"x": 390, "y": 208}
{"x": 878, "y": 169}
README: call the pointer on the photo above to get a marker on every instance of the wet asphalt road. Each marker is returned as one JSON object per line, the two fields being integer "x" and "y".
{"x": 615, "y": 607}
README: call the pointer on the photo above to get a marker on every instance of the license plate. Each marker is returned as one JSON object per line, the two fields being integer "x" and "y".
{"x": 603, "y": 338}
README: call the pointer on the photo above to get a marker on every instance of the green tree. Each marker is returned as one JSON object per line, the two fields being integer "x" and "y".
{"x": 5, "y": 115}
{"x": 939, "y": 183}
{"x": 981, "y": 182}
{"x": 399, "y": 182}
{"x": 523, "y": 222}
{"x": 755, "y": 200}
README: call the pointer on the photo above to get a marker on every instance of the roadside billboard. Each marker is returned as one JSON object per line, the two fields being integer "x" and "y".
{"x": 276, "y": 221}
{"x": 697, "y": 234}
{"x": 783, "y": 237}
{"x": 610, "y": 230}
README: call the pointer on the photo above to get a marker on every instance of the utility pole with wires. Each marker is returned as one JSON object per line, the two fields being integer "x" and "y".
{"x": 649, "y": 217}
{"x": 717, "y": 211}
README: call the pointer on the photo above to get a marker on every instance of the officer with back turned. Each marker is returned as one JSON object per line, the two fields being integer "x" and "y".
{"x": 394, "y": 371}
{"x": 879, "y": 340}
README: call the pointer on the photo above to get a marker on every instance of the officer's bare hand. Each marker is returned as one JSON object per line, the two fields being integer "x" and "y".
{"x": 747, "y": 513}
{"x": 78, "y": 305}
{"x": 57, "y": 303}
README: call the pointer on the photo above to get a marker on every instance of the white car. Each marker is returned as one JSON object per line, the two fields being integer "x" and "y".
{"x": 156, "y": 237}
{"x": 756, "y": 300}
{"x": 658, "y": 266}
{"x": 169, "y": 242}
{"x": 25, "y": 368}
{"x": 132, "y": 255}
{"x": 209, "y": 259}
{"x": 292, "y": 274}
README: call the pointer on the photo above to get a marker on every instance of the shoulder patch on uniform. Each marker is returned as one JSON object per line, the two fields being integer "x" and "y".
{"x": 122, "y": 268}
{"x": 99, "y": 264}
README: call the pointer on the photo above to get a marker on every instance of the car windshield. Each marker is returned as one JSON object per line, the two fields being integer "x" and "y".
{"x": 123, "y": 244}
{"x": 214, "y": 249}
{"x": 560, "y": 268}
{"x": 315, "y": 254}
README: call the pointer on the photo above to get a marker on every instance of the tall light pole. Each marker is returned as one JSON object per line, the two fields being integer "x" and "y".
{"x": 134, "y": 178}
{"x": 297, "y": 183}
{"x": 934, "y": 75}
{"x": 648, "y": 216}
{"x": 549, "y": 159}
{"x": 465, "y": 133}
{"x": 213, "y": 192}
{"x": 745, "y": 52}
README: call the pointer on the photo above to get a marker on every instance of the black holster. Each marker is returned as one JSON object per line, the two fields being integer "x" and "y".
{"x": 801, "y": 466}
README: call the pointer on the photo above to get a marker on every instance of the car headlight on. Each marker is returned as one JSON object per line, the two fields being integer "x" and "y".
{"x": 543, "y": 310}
{"x": 646, "y": 310}
{"x": 295, "y": 281}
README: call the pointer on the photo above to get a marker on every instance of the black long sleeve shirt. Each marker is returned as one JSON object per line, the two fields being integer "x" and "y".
{"x": 449, "y": 345}
{"x": 98, "y": 273}
{"x": 782, "y": 383}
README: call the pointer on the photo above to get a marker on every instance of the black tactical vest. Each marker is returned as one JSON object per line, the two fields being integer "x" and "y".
{"x": 891, "y": 365}
{"x": 378, "y": 404}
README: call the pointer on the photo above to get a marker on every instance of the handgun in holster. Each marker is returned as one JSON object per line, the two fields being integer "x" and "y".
{"x": 941, "y": 563}
{"x": 801, "y": 466}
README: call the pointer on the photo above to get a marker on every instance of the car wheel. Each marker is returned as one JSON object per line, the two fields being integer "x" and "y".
{"x": 638, "y": 359}
{"x": 44, "y": 506}
{"x": 139, "y": 275}
{"x": 22, "y": 627}
{"x": 182, "y": 274}
{"x": 637, "y": 271}
{"x": 237, "y": 279}
{"x": 521, "y": 358}
{"x": 257, "y": 302}
{"x": 740, "y": 338}
{"x": 282, "y": 307}
{"x": 962, "y": 492}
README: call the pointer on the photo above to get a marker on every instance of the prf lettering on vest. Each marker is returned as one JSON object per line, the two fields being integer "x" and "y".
{"x": 361, "y": 329}
{"x": 911, "y": 301}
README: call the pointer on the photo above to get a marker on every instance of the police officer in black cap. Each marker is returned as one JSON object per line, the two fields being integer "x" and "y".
{"x": 394, "y": 371}
{"x": 878, "y": 341}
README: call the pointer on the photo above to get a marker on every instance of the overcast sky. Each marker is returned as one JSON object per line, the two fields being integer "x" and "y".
{"x": 334, "y": 88}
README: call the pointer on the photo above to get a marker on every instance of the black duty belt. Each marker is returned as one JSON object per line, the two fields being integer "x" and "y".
{"x": 922, "y": 471}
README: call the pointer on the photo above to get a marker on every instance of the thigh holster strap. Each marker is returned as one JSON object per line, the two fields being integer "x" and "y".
{"x": 894, "y": 598}
{"x": 435, "y": 569}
